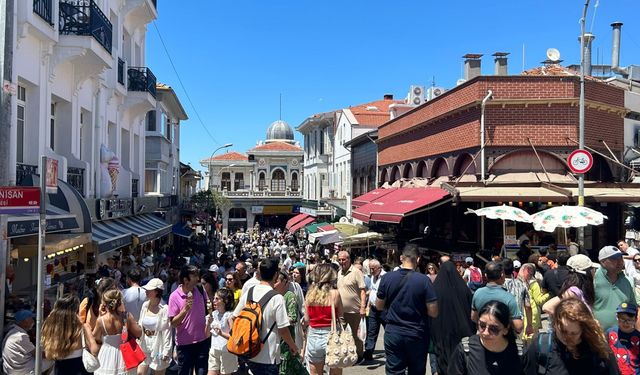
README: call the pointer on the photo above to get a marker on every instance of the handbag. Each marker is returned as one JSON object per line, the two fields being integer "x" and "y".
{"x": 131, "y": 352}
{"x": 341, "y": 347}
{"x": 90, "y": 362}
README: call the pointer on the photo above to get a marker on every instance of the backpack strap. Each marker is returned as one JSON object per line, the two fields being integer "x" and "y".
{"x": 263, "y": 302}
{"x": 520, "y": 346}
{"x": 465, "y": 350}
{"x": 542, "y": 354}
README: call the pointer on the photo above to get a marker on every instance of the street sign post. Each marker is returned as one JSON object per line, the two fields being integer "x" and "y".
{"x": 580, "y": 161}
{"x": 19, "y": 199}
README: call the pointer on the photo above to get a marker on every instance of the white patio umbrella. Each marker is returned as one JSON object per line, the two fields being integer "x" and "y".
{"x": 566, "y": 217}
{"x": 503, "y": 212}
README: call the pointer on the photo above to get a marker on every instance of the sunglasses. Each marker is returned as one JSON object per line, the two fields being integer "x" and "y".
{"x": 493, "y": 329}
{"x": 637, "y": 260}
{"x": 229, "y": 279}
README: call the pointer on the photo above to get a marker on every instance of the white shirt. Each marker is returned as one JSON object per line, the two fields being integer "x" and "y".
{"x": 274, "y": 312}
{"x": 375, "y": 283}
{"x": 251, "y": 282}
{"x": 629, "y": 267}
{"x": 222, "y": 322}
{"x": 133, "y": 299}
{"x": 18, "y": 352}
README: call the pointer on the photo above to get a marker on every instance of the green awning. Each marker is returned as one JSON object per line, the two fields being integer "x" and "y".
{"x": 312, "y": 228}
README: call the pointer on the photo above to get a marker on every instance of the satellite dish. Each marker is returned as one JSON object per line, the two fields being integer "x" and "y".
{"x": 553, "y": 54}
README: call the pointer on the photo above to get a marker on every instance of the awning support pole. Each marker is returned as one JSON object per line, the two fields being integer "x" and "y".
{"x": 469, "y": 165}
{"x": 539, "y": 160}
{"x": 609, "y": 149}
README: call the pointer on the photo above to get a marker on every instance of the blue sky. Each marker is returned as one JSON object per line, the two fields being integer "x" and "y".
{"x": 235, "y": 58}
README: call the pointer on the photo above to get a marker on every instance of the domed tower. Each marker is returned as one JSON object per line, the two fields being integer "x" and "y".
{"x": 280, "y": 131}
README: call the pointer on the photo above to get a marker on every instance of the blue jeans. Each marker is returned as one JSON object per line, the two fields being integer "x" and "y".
{"x": 374, "y": 321}
{"x": 193, "y": 357}
{"x": 405, "y": 354}
{"x": 263, "y": 368}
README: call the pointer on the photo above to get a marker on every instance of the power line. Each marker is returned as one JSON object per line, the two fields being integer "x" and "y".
{"x": 186, "y": 93}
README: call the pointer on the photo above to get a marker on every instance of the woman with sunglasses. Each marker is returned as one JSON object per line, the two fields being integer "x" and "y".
{"x": 577, "y": 345}
{"x": 232, "y": 281}
{"x": 432, "y": 271}
{"x": 494, "y": 350}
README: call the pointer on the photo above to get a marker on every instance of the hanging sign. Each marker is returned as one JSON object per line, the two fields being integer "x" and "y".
{"x": 580, "y": 161}
{"x": 19, "y": 200}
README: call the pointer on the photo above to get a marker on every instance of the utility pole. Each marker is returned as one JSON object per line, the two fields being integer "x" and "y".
{"x": 581, "y": 114}
{"x": 8, "y": 89}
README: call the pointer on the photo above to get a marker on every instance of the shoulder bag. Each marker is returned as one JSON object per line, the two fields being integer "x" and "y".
{"x": 131, "y": 351}
{"x": 90, "y": 362}
{"x": 341, "y": 348}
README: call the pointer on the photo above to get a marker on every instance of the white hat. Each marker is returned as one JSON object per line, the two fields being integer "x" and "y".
{"x": 213, "y": 268}
{"x": 154, "y": 284}
{"x": 609, "y": 252}
{"x": 517, "y": 264}
{"x": 580, "y": 263}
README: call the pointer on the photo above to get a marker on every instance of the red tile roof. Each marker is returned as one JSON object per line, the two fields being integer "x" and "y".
{"x": 231, "y": 155}
{"x": 277, "y": 146}
{"x": 373, "y": 113}
{"x": 554, "y": 70}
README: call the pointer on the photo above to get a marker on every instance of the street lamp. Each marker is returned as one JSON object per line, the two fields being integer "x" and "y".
{"x": 226, "y": 145}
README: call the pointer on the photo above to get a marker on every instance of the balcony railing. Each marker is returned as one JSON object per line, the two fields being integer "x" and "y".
{"x": 23, "y": 171}
{"x": 261, "y": 194}
{"x": 84, "y": 17}
{"x": 134, "y": 188}
{"x": 44, "y": 8}
{"x": 141, "y": 79}
{"x": 75, "y": 178}
{"x": 120, "y": 71}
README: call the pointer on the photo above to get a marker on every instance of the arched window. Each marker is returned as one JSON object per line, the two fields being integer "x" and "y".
{"x": 225, "y": 183}
{"x": 262, "y": 181}
{"x": 278, "y": 183}
{"x": 294, "y": 182}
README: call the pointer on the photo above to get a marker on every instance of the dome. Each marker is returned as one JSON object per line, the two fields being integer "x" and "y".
{"x": 279, "y": 130}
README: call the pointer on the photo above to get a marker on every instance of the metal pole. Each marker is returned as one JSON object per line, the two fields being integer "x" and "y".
{"x": 482, "y": 136}
{"x": 41, "y": 239}
{"x": 581, "y": 114}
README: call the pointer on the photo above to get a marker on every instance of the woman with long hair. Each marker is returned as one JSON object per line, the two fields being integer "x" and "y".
{"x": 577, "y": 345}
{"x": 579, "y": 284}
{"x": 536, "y": 296}
{"x": 155, "y": 339}
{"x": 108, "y": 333}
{"x": 322, "y": 295}
{"x": 493, "y": 350}
{"x": 89, "y": 309}
{"x": 63, "y": 335}
{"x": 432, "y": 271}
{"x": 299, "y": 275}
{"x": 453, "y": 321}
{"x": 210, "y": 286}
{"x": 232, "y": 281}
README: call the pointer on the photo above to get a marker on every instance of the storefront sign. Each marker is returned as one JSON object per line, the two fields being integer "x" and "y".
{"x": 114, "y": 244}
{"x": 308, "y": 211}
{"x": 19, "y": 200}
{"x": 113, "y": 208}
{"x": 30, "y": 227}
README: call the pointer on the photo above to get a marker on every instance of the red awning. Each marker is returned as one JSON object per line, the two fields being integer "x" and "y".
{"x": 371, "y": 196}
{"x": 302, "y": 224}
{"x": 296, "y": 219}
{"x": 326, "y": 228}
{"x": 394, "y": 206}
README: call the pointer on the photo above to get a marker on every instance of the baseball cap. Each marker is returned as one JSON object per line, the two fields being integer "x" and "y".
{"x": 580, "y": 263}
{"x": 517, "y": 264}
{"x": 213, "y": 268}
{"x": 468, "y": 260}
{"x": 154, "y": 284}
{"x": 21, "y": 315}
{"x": 627, "y": 308}
{"x": 609, "y": 252}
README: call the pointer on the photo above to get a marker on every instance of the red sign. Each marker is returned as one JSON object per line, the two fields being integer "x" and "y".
{"x": 580, "y": 161}
{"x": 19, "y": 200}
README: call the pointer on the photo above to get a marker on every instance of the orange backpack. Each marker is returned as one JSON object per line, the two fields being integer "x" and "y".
{"x": 244, "y": 340}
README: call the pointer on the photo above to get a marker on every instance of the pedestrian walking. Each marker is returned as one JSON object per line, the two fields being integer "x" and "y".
{"x": 611, "y": 287}
{"x": 354, "y": 297}
{"x": 374, "y": 316}
{"x": 221, "y": 362}
{"x": 134, "y": 295}
{"x": 579, "y": 284}
{"x": 156, "y": 339}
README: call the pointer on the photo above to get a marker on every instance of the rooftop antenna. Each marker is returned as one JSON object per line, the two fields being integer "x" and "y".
{"x": 433, "y": 81}
{"x": 523, "y": 51}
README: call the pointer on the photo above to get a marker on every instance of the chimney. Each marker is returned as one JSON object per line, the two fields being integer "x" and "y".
{"x": 588, "y": 39}
{"x": 615, "y": 49}
{"x": 472, "y": 64}
{"x": 388, "y": 96}
{"x": 500, "y": 59}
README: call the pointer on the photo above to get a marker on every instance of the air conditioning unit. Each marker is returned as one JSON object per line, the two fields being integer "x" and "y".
{"x": 416, "y": 95}
{"x": 434, "y": 92}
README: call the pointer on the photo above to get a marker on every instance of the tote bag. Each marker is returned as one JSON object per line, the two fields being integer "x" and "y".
{"x": 341, "y": 347}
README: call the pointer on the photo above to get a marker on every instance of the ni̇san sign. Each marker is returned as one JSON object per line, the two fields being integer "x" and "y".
{"x": 19, "y": 200}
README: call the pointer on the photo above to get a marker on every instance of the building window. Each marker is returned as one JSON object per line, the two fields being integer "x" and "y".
{"x": 238, "y": 181}
{"x": 150, "y": 181}
{"x": 225, "y": 183}
{"x": 168, "y": 127}
{"x": 278, "y": 182}
{"x": 294, "y": 182}
{"x": 22, "y": 105}
{"x": 151, "y": 121}
{"x": 321, "y": 142}
{"x": 52, "y": 127}
{"x": 262, "y": 182}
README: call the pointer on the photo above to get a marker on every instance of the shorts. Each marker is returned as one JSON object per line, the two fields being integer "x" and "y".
{"x": 316, "y": 349}
{"x": 223, "y": 361}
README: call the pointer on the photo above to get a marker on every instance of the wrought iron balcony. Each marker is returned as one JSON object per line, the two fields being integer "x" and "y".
{"x": 75, "y": 178}
{"x": 134, "y": 188}
{"x": 44, "y": 8}
{"x": 141, "y": 79}
{"x": 120, "y": 71}
{"x": 84, "y": 17}
{"x": 24, "y": 170}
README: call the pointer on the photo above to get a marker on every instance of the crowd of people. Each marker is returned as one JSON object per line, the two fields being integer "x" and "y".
{"x": 266, "y": 302}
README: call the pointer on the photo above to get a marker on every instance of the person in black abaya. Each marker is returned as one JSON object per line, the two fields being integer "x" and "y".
{"x": 454, "y": 317}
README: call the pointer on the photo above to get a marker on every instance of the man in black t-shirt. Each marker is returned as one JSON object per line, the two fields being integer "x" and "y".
{"x": 553, "y": 279}
{"x": 408, "y": 299}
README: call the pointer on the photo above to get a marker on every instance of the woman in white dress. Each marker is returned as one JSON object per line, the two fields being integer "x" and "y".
{"x": 155, "y": 340}
{"x": 108, "y": 333}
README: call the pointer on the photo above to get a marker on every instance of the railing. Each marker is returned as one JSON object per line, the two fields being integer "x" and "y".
{"x": 141, "y": 79}
{"x": 134, "y": 188}
{"x": 75, "y": 178}
{"x": 84, "y": 17}
{"x": 44, "y": 8}
{"x": 23, "y": 171}
{"x": 120, "y": 71}
{"x": 261, "y": 194}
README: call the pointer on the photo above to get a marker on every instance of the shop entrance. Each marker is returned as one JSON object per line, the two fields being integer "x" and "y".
{"x": 273, "y": 221}
{"x": 237, "y": 219}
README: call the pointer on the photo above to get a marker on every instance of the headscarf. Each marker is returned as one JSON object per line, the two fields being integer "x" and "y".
{"x": 454, "y": 317}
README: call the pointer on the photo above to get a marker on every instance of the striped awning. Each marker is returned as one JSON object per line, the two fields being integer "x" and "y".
{"x": 118, "y": 232}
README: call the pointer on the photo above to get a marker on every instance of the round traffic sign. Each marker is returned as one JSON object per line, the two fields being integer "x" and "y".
{"x": 580, "y": 161}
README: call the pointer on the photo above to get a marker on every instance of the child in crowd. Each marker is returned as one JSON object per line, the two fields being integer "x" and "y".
{"x": 220, "y": 360}
{"x": 624, "y": 340}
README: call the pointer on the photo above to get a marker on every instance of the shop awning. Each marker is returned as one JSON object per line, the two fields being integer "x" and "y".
{"x": 626, "y": 194}
{"x": 326, "y": 228}
{"x": 393, "y": 207}
{"x": 314, "y": 227}
{"x": 54, "y": 244}
{"x": 110, "y": 237}
{"x": 510, "y": 194}
{"x": 370, "y": 196}
{"x": 180, "y": 229}
{"x": 301, "y": 224}
{"x": 296, "y": 219}
{"x": 111, "y": 234}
